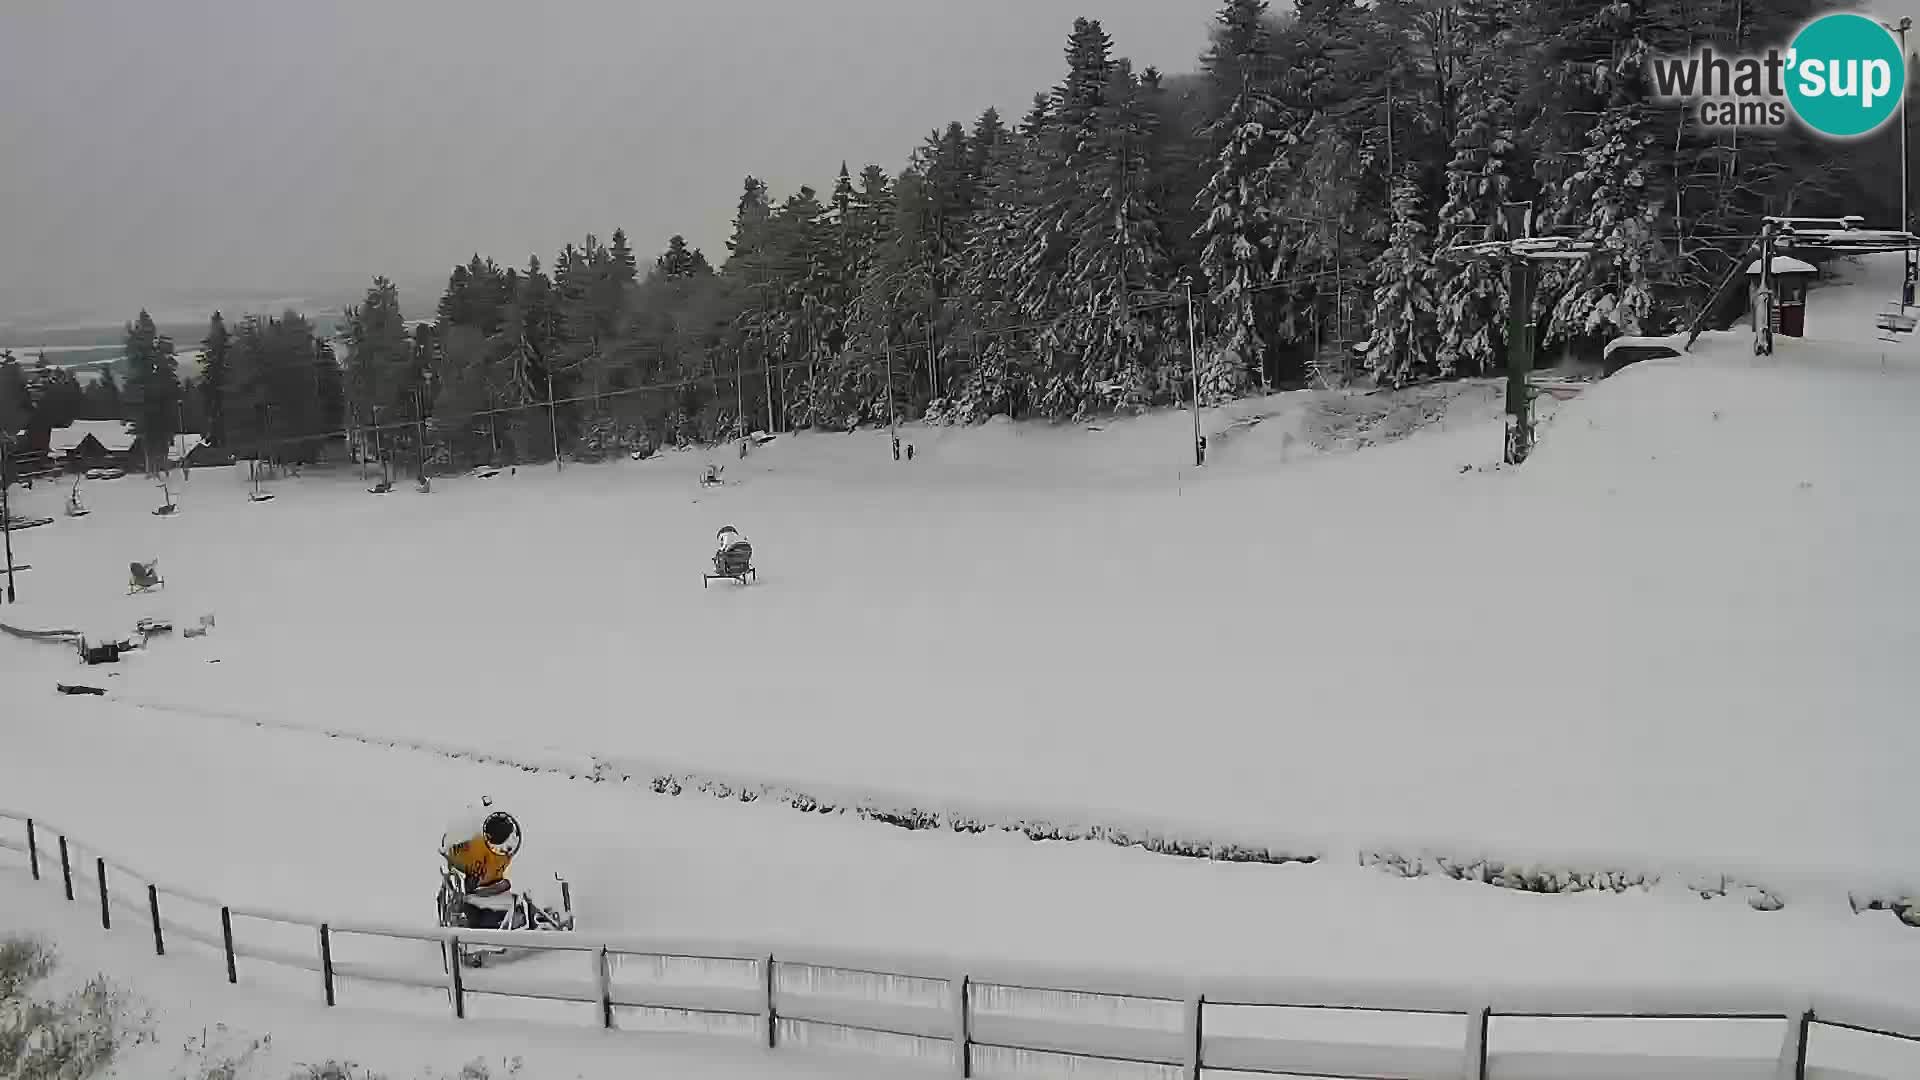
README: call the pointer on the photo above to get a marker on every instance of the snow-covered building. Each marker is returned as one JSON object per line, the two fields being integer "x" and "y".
{"x": 91, "y": 442}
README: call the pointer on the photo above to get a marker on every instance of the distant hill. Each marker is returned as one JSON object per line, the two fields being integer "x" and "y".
{"x": 182, "y": 312}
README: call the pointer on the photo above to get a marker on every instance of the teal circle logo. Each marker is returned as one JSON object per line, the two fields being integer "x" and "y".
{"x": 1846, "y": 75}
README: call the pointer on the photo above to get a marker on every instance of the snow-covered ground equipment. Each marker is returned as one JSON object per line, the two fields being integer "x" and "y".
{"x": 732, "y": 564}
{"x": 516, "y": 911}
{"x": 143, "y": 577}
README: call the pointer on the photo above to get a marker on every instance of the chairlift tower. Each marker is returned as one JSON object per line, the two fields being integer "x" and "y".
{"x": 1839, "y": 236}
{"x": 1522, "y": 252}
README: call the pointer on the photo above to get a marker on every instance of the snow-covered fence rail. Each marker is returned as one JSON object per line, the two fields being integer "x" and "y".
{"x": 1016, "y": 1022}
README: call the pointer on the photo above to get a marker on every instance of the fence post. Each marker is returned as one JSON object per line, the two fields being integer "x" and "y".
{"x": 1195, "y": 1035}
{"x": 962, "y": 1033}
{"x": 606, "y": 990}
{"x": 773, "y": 1020}
{"x": 1800, "y": 1046}
{"x": 153, "y": 905}
{"x": 33, "y": 851}
{"x": 459, "y": 992}
{"x": 106, "y": 914}
{"x": 66, "y": 868}
{"x": 226, "y": 935}
{"x": 326, "y": 963}
{"x": 1477, "y": 1043}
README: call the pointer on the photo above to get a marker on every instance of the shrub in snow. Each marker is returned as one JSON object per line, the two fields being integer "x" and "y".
{"x": 68, "y": 1039}
{"x": 1558, "y": 879}
{"x": 333, "y": 1070}
{"x": 218, "y": 1056}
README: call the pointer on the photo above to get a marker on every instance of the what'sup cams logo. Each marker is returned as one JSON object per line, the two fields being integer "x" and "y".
{"x": 1843, "y": 75}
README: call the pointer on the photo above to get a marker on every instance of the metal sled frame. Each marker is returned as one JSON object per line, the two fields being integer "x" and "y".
{"x": 453, "y": 913}
{"x": 743, "y": 577}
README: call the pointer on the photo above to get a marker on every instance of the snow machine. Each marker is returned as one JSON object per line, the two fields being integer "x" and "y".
{"x": 733, "y": 562}
{"x": 524, "y": 914}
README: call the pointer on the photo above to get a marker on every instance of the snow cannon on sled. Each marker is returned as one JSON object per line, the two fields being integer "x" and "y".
{"x": 734, "y": 560}
{"x": 733, "y": 564}
{"x": 508, "y": 911}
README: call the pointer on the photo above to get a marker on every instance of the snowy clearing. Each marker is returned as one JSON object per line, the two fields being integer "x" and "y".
{"x": 1676, "y": 643}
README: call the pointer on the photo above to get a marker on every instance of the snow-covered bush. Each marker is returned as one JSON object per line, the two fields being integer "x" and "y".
{"x": 69, "y": 1039}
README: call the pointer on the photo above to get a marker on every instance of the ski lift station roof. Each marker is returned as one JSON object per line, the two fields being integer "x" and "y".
{"x": 114, "y": 436}
{"x": 1784, "y": 264}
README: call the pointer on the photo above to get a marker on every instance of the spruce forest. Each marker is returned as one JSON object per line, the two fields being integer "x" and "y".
{"x": 1303, "y": 183}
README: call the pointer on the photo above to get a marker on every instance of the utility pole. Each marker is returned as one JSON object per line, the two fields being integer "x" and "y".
{"x": 933, "y": 297}
{"x": 1390, "y": 172}
{"x": 1340, "y": 306}
{"x": 893, "y": 423}
{"x": 6, "y": 512}
{"x": 553, "y": 421}
{"x": 766, "y": 354}
{"x": 1906, "y": 225}
{"x": 739, "y": 398}
{"x": 1193, "y": 364}
{"x": 1519, "y": 337}
{"x": 420, "y": 432}
{"x": 378, "y": 450}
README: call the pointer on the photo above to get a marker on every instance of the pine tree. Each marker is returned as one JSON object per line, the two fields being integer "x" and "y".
{"x": 1482, "y": 178}
{"x": 217, "y": 350}
{"x": 154, "y": 381}
{"x": 1403, "y": 341}
{"x": 16, "y": 404}
{"x": 57, "y": 397}
{"x": 842, "y": 201}
{"x": 983, "y": 143}
{"x": 380, "y": 367}
{"x": 750, "y": 219}
{"x": 329, "y": 386}
{"x": 100, "y": 398}
{"x": 625, "y": 270}
{"x": 1003, "y": 378}
{"x": 1097, "y": 238}
{"x": 678, "y": 261}
{"x": 1240, "y": 207}
{"x": 1621, "y": 182}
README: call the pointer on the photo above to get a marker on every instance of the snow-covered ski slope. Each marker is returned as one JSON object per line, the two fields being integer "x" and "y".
{"x": 1678, "y": 642}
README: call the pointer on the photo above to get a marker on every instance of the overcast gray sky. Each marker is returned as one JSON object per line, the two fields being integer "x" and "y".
{"x": 152, "y": 145}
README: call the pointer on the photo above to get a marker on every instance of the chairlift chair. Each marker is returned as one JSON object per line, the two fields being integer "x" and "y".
{"x": 144, "y": 577}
